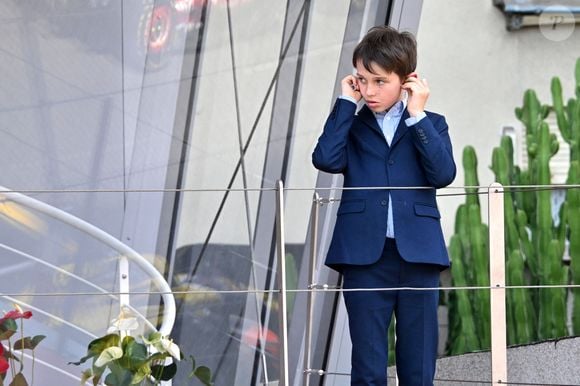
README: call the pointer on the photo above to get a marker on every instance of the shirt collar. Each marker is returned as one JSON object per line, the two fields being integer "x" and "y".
{"x": 396, "y": 110}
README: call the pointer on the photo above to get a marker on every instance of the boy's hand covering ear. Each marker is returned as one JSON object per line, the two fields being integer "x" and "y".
{"x": 418, "y": 91}
{"x": 350, "y": 88}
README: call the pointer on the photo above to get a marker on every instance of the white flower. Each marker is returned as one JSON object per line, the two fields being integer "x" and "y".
{"x": 126, "y": 321}
{"x": 171, "y": 348}
{"x": 163, "y": 345}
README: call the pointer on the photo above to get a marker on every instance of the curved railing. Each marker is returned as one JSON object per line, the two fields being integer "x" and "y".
{"x": 125, "y": 254}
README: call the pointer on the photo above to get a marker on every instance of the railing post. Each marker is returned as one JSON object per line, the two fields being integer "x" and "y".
{"x": 281, "y": 271}
{"x": 311, "y": 281}
{"x": 123, "y": 283}
{"x": 497, "y": 282}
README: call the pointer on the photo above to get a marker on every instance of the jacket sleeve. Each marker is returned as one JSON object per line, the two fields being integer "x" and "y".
{"x": 330, "y": 154}
{"x": 431, "y": 139}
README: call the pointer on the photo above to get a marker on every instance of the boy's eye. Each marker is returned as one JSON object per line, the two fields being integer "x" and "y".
{"x": 380, "y": 82}
{"x": 362, "y": 80}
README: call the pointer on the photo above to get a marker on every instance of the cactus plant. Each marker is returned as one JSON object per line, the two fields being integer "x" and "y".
{"x": 573, "y": 220}
{"x": 463, "y": 330}
{"x": 521, "y": 312}
{"x": 568, "y": 118}
{"x": 535, "y": 241}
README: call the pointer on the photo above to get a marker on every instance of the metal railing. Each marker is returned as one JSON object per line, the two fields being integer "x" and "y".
{"x": 497, "y": 287}
{"x": 497, "y": 280}
{"x": 125, "y": 254}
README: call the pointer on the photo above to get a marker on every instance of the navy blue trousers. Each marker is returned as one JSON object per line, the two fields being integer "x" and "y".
{"x": 369, "y": 315}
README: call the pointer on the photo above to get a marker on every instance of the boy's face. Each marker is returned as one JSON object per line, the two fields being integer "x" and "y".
{"x": 379, "y": 88}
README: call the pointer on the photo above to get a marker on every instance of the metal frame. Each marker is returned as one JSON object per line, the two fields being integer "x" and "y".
{"x": 311, "y": 279}
{"x": 281, "y": 273}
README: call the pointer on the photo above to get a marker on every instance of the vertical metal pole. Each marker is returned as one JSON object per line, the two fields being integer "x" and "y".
{"x": 497, "y": 281}
{"x": 281, "y": 251}
{"x": 123, "y": 282}
{"x": 311, "y": 280}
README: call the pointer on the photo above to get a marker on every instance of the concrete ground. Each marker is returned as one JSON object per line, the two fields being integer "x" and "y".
{"x": 547, "y": 363}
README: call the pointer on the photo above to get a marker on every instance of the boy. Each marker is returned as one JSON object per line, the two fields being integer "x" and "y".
{"x": 388, "y": 238}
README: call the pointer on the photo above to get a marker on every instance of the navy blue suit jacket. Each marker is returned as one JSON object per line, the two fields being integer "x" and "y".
{"x": 420, "y": 155}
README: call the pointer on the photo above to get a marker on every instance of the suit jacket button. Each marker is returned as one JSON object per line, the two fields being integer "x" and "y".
{"x": 391, "y": 162}
{"x": 384, "y": 203}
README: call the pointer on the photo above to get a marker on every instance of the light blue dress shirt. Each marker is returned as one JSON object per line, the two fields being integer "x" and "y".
{"x": 388, "y": 122}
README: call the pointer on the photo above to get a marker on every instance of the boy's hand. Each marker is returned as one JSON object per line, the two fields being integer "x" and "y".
{"x": 349, "y": 86}
{"x": 418, "y": 91}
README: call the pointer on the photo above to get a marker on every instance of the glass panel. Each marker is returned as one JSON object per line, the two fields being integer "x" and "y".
{"x": 222, "y": 328}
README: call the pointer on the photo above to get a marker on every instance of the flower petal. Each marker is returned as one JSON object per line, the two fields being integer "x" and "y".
{"x": 108, "y": 355}
{"x": 4, "y": 365}
{"x": 126, "y": 321}
{"x": 171, "y": 348}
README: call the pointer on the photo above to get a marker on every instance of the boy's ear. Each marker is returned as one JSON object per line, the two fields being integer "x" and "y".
{"x": 411, "y": 75}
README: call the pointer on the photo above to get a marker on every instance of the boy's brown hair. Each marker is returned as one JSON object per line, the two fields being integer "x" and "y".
{"x": 388, "y": 48}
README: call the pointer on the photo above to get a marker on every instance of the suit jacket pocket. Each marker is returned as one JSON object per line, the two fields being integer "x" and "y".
{"x": 351, "y": 206}
{"x": 426, "y": 210}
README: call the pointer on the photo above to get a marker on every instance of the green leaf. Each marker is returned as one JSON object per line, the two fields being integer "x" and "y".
{"x": 203, "y": 373}
{"x": 135, "y": 354}
{"x": 28, "y": 343}
{"x": 9, "y": 324}
{"x": 164, "y": 373}
{"x": 19, "y": 380}
{"x": 153, "y": 338}
{"x": 85, "y": 376}
{"x": 7, "y": 329}
{"x": 108, "y": 355}
{"x": 141, "y": 373}
{"x": 119, "y": 377}
{"x": 97, "y": 376}
{"x": 82, "y": 360}
{"x": 97, "y": 346}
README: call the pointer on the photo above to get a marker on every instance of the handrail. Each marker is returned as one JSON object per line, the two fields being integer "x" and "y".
{"x": 169, "y": 309}
{"x": 73, "y": 276}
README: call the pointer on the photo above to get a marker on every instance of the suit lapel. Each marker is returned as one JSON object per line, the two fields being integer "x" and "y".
{"x": 401, "y": 128}
{"x": 368, "y": 117}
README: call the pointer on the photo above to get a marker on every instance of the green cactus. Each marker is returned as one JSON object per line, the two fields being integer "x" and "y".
{"x": 463, "y": 336}
{"x": 480, "y": 261}
{"x": 568, "y": 117}
{"x": 501, "y": 167}
{"x": 548, "y": 249}
{"x": 469, "y": 323}
{"x": 535, "y": 244}
{"x": 462, "y": 229}
{"x": 573, "y": 220}
{"x": 532, "y": 113}
{"x": 525, "y": 242}
{"x": 470, "y": 172}
{"x": 552, "y": 309}
{"x": 521, "y": 312}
